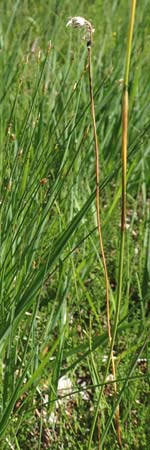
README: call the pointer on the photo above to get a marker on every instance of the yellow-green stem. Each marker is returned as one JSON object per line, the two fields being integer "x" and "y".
{"x": 123, "y": 211}
{"x": 129, "y": 43}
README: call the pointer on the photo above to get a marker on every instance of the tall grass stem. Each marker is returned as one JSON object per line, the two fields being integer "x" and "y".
{"x": 99, "y": 225}
{"x": 123, "y": 208}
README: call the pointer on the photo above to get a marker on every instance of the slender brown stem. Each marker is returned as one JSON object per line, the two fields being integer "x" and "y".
{"x": 99, "y": 227}
{"x": 98, "y": 438}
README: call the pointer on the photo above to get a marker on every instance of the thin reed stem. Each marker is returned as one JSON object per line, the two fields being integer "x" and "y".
{"x": 99, "y": 224}
{"x": 123, "y": 211}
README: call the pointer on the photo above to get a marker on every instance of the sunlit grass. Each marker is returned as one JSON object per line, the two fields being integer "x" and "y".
{"x": 52, "y": 307}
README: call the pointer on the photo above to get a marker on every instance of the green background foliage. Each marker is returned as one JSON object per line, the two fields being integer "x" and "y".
{"x": 52, "y": 303}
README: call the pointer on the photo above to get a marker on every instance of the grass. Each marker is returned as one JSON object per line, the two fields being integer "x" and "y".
{"x": 52, "y": 303}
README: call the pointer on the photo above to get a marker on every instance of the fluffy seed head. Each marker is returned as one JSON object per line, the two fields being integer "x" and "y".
{"x": 80, "y": 22}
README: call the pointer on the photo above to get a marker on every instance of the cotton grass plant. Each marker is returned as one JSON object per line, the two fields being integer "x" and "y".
{"x": 80, "y": 22}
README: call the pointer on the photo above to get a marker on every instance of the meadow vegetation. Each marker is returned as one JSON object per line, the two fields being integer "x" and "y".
{"x": 53, "y": 327}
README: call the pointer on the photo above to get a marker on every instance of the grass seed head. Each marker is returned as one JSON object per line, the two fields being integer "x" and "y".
{"x": 80, "y": 22}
